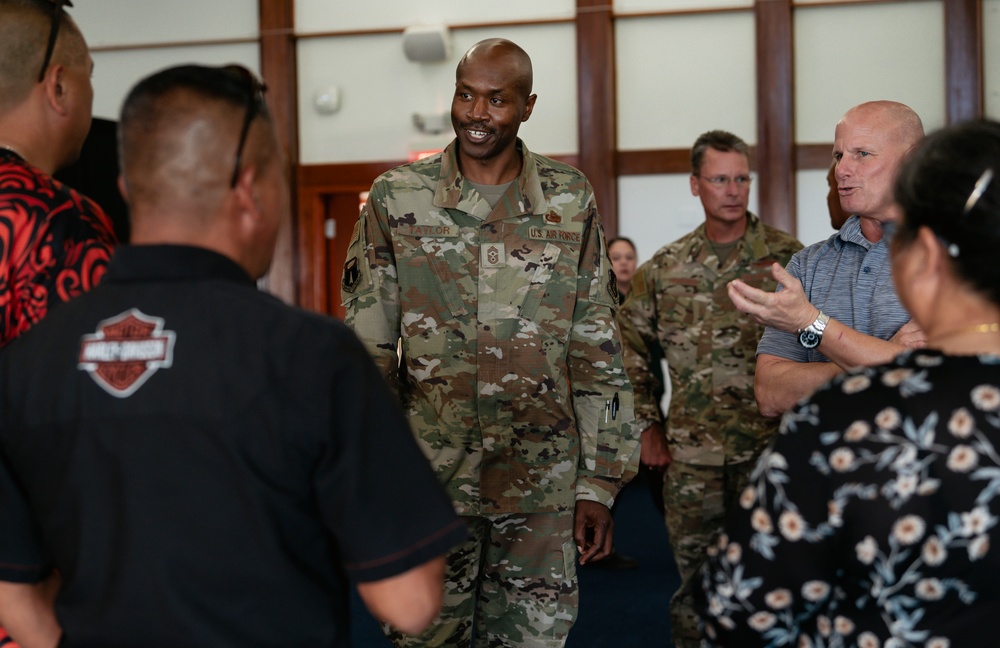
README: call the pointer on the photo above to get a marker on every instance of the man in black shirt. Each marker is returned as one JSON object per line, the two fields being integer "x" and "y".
{"x": 199, "y": 463}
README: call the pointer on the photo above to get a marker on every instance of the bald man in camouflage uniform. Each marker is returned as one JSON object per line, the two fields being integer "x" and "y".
{"x": 678, "y": 303}
{"x": 487, "y": 264}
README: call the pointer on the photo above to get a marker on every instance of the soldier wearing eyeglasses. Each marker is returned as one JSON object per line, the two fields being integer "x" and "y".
{"x": 678, "y": 305}
{"x": 56, "y": 242}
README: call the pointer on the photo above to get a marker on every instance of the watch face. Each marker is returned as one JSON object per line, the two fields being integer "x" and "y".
{"x": 809, "y": 339}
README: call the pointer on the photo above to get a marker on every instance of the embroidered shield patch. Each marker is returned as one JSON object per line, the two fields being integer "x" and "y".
{"x": 613, "y": 286}
{"x": 352, "y": 274}
{"x": 125, "y": 351}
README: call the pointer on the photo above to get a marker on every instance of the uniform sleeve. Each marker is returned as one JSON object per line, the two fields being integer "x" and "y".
{"x": 369, "y": 288}
{"x": 602, "y": 393}
{"x": 377, "y": 493}
{"x": 637, "y": 319}
{"x": 781, "y": 343}
{"x": 772, "y": 572}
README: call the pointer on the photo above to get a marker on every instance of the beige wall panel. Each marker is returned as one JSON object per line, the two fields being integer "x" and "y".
{"x": 124, "y": 22}
{"x": 846, "y": 55}
{"x": 991, "y": 57}
{"x": 381, "y": 90}
{"x": 672, "y": 86}
{"x": 343, "y": 15}
{"x": 116, "y": 72}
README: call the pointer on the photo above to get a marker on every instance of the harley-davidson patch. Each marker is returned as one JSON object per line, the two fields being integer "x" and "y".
{"x": 125, "y": 351}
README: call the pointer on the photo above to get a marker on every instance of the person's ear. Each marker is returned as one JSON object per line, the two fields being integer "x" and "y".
{"x": 122, "y": 188}
{"x": 932, "y": 257}
{"x": 56, "y": 88}
{"x": 695, "y": 189}
{"x": 529, "y": 105}
{"x": 246, "y": 199}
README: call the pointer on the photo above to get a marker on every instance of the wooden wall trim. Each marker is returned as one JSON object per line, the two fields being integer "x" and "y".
{"x": 678, "y": 160}
{"x": 596, "y": 98}
{"x": 279, "y": 68}
{"x": 963, "y": 56}
{"x": 249, "y": 40}
{"x": 813, "y": 156}
{"x": 358, "y": 176}
{"x": 453, "y": 27}
{"x": 650, "y": 161}
{"x": 775, "y": 113}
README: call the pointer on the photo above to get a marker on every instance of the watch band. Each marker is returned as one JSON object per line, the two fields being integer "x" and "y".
{"x": 812, "y": 335}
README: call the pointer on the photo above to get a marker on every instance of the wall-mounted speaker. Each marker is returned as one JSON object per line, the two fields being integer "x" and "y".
{"x": 427, "y": 43}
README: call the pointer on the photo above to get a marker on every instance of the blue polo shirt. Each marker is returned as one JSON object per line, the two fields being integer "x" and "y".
{"x": 850, "y": 279}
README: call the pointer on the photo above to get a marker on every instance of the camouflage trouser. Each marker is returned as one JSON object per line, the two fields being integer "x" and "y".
{"x": 516, "y": 576}
{"x": 696, "y": 499}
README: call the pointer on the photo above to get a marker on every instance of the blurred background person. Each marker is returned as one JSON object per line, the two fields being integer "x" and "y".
{"x": 872, "y": 520}
{"x": 624, "y": 261}
{"x": 837, "y": 214}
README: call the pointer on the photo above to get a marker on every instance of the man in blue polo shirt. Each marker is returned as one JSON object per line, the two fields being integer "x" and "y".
{"x": 838, "y": 308}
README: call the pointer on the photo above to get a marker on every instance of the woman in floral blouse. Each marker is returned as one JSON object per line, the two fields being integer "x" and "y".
{"x": 873, "y": 518}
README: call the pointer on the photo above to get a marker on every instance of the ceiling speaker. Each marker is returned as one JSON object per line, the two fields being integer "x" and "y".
{"x": 427, "y": 43}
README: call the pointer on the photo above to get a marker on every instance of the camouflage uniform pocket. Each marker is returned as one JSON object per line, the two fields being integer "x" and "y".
{"x": 539, "y": 286}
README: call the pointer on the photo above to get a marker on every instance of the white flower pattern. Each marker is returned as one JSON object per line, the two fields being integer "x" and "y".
{"x": 875, "y": 453}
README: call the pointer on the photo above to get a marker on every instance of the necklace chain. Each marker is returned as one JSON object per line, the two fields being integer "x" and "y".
{"x": 992, "y": 327}
{"x": 989, "y": 327}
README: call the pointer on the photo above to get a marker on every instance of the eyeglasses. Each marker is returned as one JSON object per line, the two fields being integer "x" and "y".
{"x": 255, "y": 105}
{"x": 723, "y": 181}
{"x": 57, "y": 6}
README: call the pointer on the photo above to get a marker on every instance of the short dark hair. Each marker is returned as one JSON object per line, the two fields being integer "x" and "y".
{"x": 209, "y": 82}
{"x": 937, "y": 188}
{"x": 623, "y": 239}
{"x": 720, "y": 140}
{"x": 170, "y": 101}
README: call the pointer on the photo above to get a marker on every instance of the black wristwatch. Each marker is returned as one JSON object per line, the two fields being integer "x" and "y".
{"x": 812, "y": 335}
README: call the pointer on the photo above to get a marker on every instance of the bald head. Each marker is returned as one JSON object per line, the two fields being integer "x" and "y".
{"x": 897, "y": 121}
{"x": 502, "y": 54}
{"x": 178, "y": 140}
{"x": 24, "y": 35}
{"x": 870, "y": 143}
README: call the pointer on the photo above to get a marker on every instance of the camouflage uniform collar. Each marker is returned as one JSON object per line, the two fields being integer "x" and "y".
{"x": 454, "y": 191}
{"x": 753, "y": 244}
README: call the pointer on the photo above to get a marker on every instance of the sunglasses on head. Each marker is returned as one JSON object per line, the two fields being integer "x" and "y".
{"x": 57, "y": 6}
{"x": 255, "y": 105}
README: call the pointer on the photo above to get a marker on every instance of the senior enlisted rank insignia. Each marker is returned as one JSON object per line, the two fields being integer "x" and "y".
{"x": 352, "y": 275}
{"x": 493, "y": 255}
{"x": 613, "y": 286}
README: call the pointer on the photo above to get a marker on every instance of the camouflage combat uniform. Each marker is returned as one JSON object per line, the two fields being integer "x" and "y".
{"x": 678, "y": 302}
{"x": 511, "y": 366}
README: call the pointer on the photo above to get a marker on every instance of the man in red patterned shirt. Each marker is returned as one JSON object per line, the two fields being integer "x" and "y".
{"x": 54, "y": 242}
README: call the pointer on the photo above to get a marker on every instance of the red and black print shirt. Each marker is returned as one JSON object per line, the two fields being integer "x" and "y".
{"x": 54, "y": 244}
